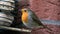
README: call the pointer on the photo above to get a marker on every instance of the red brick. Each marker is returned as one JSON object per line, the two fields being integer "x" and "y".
{"x": 46, "y": 10}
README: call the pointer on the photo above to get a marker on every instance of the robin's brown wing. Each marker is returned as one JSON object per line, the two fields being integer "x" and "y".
{"x": 36, "y": 19}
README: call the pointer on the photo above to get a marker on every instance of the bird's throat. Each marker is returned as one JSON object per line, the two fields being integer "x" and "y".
{"x": 25, "y": 17}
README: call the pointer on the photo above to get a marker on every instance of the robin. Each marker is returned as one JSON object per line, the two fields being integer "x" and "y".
{"x": 30, "y": 20}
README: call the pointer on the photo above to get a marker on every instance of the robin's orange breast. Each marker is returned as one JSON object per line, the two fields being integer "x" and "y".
{"x": 25, "y": 17}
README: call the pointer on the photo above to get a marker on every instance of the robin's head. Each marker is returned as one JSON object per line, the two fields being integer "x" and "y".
{"x": 24, "y": 10}
{"x": 24, "y": 15}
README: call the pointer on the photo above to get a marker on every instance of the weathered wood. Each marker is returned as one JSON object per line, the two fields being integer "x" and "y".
{"x": 15, "y": 29}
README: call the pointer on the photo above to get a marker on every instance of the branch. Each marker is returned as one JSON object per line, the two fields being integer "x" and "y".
{"x": 15, "y": 29}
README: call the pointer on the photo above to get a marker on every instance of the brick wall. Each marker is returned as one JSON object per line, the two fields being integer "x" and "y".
{"x": 46, "y": 9}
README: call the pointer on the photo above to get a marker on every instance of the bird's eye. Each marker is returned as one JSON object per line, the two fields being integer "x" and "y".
{"x": 25, "y": 10}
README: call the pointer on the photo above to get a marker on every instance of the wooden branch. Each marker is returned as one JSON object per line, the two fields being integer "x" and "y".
{"x": 15, "y": 29}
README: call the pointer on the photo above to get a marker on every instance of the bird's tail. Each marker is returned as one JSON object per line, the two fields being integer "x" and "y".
{"x": 47, "y": 28}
